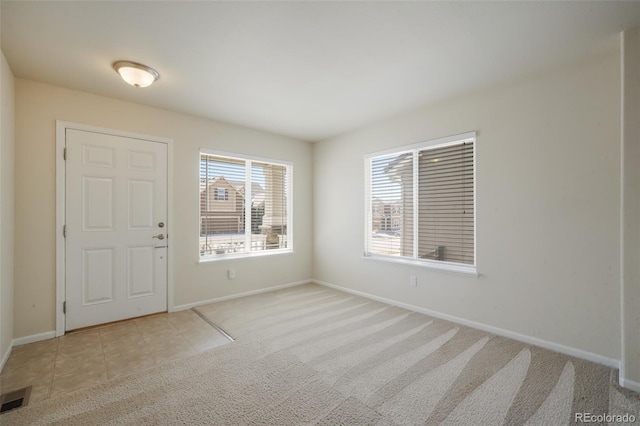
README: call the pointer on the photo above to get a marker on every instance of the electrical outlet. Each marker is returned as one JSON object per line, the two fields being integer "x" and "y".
{"x": 413, "y": 281}
{"x": 231, "y": 273}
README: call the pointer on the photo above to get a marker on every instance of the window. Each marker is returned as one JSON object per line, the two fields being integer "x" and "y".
{"x": 221, "y": 194}
{"x": 420, "y": 204}
{"x": 245, "y": 206}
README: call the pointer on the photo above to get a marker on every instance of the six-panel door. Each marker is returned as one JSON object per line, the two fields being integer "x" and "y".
{"x": 116, "y": 203}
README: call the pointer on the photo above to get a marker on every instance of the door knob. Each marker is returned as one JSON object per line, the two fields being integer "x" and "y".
{"x": 159, "y": 236}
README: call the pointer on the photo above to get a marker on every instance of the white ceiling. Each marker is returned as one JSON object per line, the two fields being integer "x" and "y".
{"x": 309, "y": 70}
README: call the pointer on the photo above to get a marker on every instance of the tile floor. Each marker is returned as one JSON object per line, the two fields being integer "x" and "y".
{"x": 85, "y": 358}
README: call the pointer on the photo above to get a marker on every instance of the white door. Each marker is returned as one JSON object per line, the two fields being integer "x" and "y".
{"x": 116, "y": 215}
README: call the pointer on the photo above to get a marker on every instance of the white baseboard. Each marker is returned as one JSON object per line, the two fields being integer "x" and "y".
{"x": 578, "y": 353}
{"x": 5, "y": 356}
{"x": 629, "y": 384}
{"x": 34, "y": 338}
{"x": 238, "y": 295}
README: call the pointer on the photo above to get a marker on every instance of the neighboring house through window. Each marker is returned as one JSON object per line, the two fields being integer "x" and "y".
{"x": 245, "y": 206}
{"x": 421, "y": 204}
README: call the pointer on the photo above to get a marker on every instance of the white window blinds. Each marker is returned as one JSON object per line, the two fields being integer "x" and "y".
{"x": 244, "y": 206}
{"x": 421, "y": 203}
{"x": 392, "y": 204}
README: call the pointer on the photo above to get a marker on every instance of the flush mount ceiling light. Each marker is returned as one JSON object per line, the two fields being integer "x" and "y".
{"x": 136, "y": 74}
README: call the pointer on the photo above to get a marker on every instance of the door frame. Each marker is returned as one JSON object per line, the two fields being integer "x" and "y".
{"x": 61, "y": 273}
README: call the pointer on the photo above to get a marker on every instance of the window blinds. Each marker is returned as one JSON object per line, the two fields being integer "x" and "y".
{"x": 446, "y": 205}
{"x": 392, "y": 204}
{"x": 268, "y": 206}
{"x": 422, "y": 203}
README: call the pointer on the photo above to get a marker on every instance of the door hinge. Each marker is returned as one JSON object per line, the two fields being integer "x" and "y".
{"x": 64, "y": 231}
{"x": 64, "y": 154}
{"x": 64, "y": 307}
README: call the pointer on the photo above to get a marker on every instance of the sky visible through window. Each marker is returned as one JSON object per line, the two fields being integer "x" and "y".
{"x": 229, "y": 171}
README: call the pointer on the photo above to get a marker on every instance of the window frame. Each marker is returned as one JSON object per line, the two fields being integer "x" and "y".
{"x": 462, "y": 268}
{"x": 248, "y": 159}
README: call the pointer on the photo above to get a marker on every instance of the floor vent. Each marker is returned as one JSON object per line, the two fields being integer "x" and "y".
{"x": 15, "y": 399}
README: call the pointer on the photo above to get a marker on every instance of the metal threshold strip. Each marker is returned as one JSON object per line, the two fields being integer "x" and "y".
{"x": 212, "y": 324}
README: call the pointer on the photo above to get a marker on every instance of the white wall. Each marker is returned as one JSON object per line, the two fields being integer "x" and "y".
{"x": 7, "y": 146}
{"x": 39, "y": 105}
{"x": 548, "y": 212}
{"x": 630, "y": 231}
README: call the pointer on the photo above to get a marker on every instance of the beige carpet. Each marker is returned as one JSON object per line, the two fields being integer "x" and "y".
{"x": 312, "y": 355}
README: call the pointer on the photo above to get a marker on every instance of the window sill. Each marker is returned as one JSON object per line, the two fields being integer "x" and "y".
{"x": 469, "y": 270}
{"x": 230, "y": 257}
